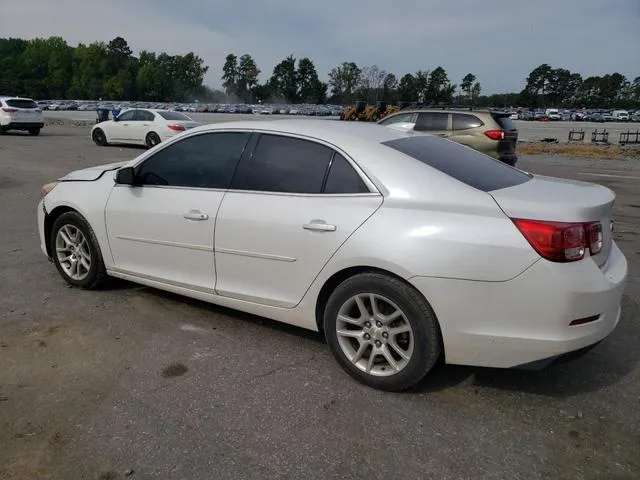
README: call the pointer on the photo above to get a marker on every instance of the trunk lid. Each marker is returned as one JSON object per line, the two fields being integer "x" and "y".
{"x": 560, "y": 200}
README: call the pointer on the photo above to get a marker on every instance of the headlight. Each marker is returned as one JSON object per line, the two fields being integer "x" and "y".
{"x": 47, "y": 188}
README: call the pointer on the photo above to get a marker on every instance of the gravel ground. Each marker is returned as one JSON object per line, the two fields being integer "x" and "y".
{"x": 98, "y": 385}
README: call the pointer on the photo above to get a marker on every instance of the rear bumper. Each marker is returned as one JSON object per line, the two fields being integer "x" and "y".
{"x": 526, "y": 319}
{"x": 22, "y": 125}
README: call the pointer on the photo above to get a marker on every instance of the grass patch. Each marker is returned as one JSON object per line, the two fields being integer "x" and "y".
{"x": 598, "y": 152}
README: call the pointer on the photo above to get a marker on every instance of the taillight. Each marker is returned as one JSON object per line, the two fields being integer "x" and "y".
{"x": 9, "y": 109}
{"x": 495, "y": 134}
{"x": 176, "y": 127}
{"x": 594, "y": 237}
{"x": 560, "y": 241}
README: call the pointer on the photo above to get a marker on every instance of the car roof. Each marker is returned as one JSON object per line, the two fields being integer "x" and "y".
{"x": 14, "y": 97}
{"x": 331, "y": 131}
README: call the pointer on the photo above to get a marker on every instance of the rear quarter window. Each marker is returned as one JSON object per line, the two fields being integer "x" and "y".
{"x": 174, "y": 116}
{"x": 465, "y": 121}
{"x": 466, "y": 165}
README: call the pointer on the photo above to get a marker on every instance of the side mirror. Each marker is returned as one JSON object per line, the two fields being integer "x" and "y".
{"x": 126, "y": 176}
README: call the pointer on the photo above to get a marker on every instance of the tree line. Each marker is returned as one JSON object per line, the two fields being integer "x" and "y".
{"x": 49, "y": 68}
{"x": 52, "y": 69}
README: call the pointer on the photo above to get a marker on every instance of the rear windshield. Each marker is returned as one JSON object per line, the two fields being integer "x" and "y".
{"x": 21, "y": 103}
{"x": 505, "y": 122}
{"x": 174, "y": 116}
{"x": 462, "y": 163}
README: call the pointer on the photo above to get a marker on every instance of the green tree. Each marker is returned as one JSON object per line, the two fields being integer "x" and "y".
{"x": 248, "y": 73}
{"x": 467, "y": 84}
{"x": 11, "y": 78}
{"x": 284, "y": 80}
{"x": 407, "y": 88}
{"x": 310, "y": 88}
{"x": 343, "y": 80}
{"x": 230, "y": 74}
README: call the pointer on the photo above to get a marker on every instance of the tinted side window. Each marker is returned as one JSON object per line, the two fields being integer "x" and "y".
{"x": 462, "y": 163}
{"x": 285, "y": 164}
{"x": 127, "y": 116}
{"x": 202, "y": 161}
{"x": 431, "y": 122}
{"x": 464, "y": 121}
{"x": 144, "y": 116}
{"x": 343, "y": 178}
{"x": 400, "y": 118}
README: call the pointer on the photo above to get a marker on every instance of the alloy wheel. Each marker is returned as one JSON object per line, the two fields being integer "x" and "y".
{"x": 374, "y": 334}
{"x": 72, "y": 252}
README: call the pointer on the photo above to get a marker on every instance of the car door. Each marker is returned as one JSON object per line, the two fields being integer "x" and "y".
{"x": 121, "y": 128}
{"x": 292, "y": 204}
{"x": 140, "y": 126}
{"x": 433, "y": 123}
{"x": 162, "y": 229}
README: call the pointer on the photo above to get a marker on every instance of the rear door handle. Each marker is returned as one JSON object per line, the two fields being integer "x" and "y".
{"x": 195, "y": 215}
{"x": 319, "y": 226}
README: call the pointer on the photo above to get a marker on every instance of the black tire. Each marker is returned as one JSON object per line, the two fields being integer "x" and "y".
{"x": 34, "y": 132}
{"x": 99, "y": 138}
{"x": 152, "y": 139}
{"x": 427, "y": 344}
{"x": 3, "y": 130}
{"x": 97, "y": 274}
{"x": 353, "y": 117}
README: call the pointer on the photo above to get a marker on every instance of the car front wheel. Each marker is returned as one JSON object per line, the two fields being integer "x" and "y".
{"x": 76, "y": 252}
{"x": 99, "y": 138}
{"x": 382, "y": 331}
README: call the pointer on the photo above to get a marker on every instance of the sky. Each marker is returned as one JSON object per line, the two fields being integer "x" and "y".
{"x": 500, "y": 41}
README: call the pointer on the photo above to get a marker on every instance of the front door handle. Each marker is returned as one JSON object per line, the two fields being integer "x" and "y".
{"x": 319, "y": 226}
{"x": 195, "y": 215}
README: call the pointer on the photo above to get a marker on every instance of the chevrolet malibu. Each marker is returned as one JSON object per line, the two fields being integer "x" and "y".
{"x": 400, "y": 249}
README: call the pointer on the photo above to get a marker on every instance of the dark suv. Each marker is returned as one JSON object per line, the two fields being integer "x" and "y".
{"x": 490, "y": 132}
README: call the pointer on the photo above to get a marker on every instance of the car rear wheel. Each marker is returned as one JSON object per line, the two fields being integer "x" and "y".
{"x": 382, "y": 331}
{"x": 152, "y": 139}
{"x": 99, "y": 138}
{"x": 34, "y": 132}
{"x": 76, "y": 252}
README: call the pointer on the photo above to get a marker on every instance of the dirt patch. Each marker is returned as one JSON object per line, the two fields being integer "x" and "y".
{"x": 174, "y": 370}
{"x": 610, "y": 152}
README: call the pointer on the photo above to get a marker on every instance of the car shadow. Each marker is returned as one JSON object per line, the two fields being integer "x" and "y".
{"x": 236, "y": 315}
{"x": 604, "y": 365}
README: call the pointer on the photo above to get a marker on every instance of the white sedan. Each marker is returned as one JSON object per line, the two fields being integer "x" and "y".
{"x": 141, "y": 126}
{"x": 399, "y": 248}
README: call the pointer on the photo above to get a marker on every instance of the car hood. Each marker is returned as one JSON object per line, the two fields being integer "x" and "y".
{"x": 91, "y": 173}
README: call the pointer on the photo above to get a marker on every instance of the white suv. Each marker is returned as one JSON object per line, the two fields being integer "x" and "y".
{"x": 18, "y": 113}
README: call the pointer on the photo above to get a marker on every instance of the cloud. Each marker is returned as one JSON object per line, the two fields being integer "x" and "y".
{"x": 500, "y": 41}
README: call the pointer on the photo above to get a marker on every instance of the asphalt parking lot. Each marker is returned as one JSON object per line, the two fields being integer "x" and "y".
{"x": 135, "y": 383}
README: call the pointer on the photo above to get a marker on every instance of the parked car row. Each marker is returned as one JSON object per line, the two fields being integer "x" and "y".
{"x": 258, "y": 109}
{"x": 586, "y": 115}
